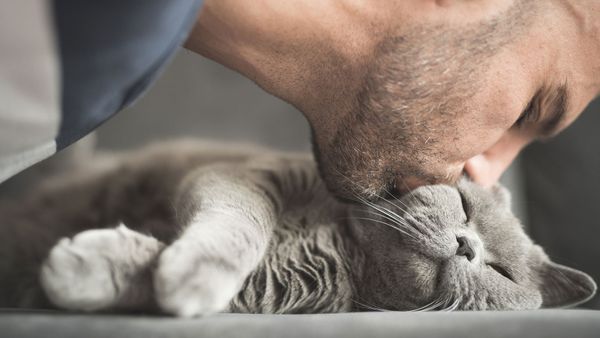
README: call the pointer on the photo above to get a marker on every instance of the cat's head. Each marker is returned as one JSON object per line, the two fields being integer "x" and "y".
{"x": 461, "y": 248}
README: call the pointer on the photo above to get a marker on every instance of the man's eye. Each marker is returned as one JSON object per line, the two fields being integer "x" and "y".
{"x": 465, "y": 206}
{"x": 525, "y": 116}
{"x": 531, "y": 113}
{"x": 501, "y": 271}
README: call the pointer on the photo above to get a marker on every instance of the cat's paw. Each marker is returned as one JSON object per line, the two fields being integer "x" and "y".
{"x": 93, "y": 270}
{"x": 188, "y": 285}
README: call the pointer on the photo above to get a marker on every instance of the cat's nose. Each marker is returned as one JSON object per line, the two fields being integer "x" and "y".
{"x": 465, "y": 248}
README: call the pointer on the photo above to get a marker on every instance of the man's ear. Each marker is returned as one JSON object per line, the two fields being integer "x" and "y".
{"x": 562, "y": 286}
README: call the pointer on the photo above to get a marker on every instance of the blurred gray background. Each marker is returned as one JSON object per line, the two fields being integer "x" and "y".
{"x": 198, "y": 97}
{"x": 555, "y": 186}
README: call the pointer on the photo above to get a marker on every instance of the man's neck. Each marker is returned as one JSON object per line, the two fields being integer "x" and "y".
{"x": 272, "y": 44}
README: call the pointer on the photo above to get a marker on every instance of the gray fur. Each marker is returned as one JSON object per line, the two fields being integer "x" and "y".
{"x": 189, "y": 228}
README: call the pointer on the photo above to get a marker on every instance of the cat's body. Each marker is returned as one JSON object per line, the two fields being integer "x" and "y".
{"x": 212, "y": 228}
{"x": 142, "y": 192}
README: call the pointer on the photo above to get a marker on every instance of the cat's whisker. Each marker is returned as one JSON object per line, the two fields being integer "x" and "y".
{"x": 422, "y": 308}
{"x": 417, "y": 229}
{"x": 398, "y": 227}
{"x": 399, "y": 222}
{"x": 389, "y": 216}
{"x": 418, "y": 225}
{"x": 408, "y": 230}
{"x": 433, "y": 305}
{"x": 405, "y": 210}
{"x": 397, "y": 216}
{"x": 387, "y": 213}
{"x": 387, "y": 224}
{"x": 357, "y": 189}
{"x": 450, "y": 306}
{"x": 383, "y": 210}
{"x": 424, "y": 227}
{"x": 370, "y": 307}
{"x": 399, "y": 201}
{"x": 454, "y": 305}
{"x": 415, "y": 224}
{"x": 394, "y": 216}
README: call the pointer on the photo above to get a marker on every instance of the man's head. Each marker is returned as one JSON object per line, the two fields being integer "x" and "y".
{"x": 402, "y": 93}
{"x": 442, "y": 97}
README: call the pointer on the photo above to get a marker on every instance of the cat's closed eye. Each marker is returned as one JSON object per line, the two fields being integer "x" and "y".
{"x": 501, "y": 271}
{"x": 465, "y": 206}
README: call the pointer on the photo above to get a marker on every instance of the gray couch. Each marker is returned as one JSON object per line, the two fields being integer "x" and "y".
{"x": 556, "y": 187}
{"x": 530, "y": 324}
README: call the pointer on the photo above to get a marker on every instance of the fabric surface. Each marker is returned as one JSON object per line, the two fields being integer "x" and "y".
{"x": 110, "y": 51}
{"x": 66, "y": 66}
{"x": 543, "y": 323}
{"x": 29, "y": 85}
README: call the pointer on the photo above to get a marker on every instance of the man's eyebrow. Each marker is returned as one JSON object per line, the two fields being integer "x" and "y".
{"x": 555, "y": 102}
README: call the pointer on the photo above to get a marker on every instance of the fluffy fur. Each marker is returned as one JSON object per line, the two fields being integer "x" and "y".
{"x": 190, "y": 229}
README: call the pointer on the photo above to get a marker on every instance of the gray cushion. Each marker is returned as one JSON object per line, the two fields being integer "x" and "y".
{"x": 543, "y": 323}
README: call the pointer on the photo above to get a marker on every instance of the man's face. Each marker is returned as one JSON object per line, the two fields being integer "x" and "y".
{"x": 446, "y": 107}
{"x": 533, "y": 89}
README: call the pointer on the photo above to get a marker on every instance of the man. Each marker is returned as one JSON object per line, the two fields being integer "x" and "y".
{"x": 398, "y": 93}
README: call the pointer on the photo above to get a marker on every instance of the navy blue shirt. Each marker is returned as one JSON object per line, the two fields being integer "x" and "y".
{"x": 110, "y": 51}
{"x": 66, "y": 66}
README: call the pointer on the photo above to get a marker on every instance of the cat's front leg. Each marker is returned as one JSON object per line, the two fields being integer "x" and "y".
{"x": 203, "y": 270}
{"x": 228, "y": 216}
{"x": 101, "y": 269}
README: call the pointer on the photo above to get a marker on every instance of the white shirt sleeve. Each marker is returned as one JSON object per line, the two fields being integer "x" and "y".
{"x": 29, "y": 85}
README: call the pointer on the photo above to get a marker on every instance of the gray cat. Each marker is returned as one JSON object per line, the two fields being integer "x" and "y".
{"x": 191, "y": 229}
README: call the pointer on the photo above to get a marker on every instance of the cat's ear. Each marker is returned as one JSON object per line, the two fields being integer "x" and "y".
{"x": 562, "y": 286}
{"x": 502, "y": 195}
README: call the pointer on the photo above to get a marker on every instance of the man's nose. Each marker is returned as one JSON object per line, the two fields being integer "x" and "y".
{"x": 487, "y": 167}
